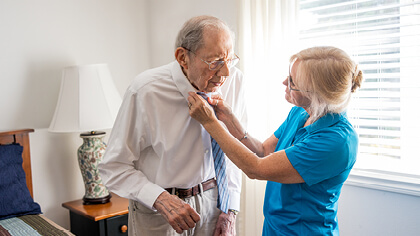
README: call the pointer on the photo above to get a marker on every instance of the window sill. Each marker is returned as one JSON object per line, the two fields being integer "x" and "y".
{"x": 385, "y": 181}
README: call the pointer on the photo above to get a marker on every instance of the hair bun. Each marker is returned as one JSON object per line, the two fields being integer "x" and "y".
{"x": 357, "y": 80}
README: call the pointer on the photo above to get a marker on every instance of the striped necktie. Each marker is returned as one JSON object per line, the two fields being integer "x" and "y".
{"x": 220, "y": 169}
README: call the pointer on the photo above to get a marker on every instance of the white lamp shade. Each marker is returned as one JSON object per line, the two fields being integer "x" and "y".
{"x": 88, "y": 100}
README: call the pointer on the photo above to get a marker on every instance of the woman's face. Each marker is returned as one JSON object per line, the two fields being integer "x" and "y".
{"x": 293, "y": 96}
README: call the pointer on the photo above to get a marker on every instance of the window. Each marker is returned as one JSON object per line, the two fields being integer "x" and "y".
{"x": 384, "y": 38}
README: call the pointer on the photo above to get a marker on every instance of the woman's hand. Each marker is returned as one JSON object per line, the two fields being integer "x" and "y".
{"x": 200, "y": 109}
{"x": 222, "y": 109}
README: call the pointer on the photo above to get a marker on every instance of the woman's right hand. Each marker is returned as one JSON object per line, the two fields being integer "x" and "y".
{"x": 200, "y": 109}
{"x": 222, "y": 109}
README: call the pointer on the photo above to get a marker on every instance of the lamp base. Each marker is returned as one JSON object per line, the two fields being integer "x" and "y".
{"x": 90, "y": 154}
{"x": 92, "y": 201}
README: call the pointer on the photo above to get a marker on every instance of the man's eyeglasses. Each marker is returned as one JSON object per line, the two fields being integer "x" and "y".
{"x": 216, "y": 65}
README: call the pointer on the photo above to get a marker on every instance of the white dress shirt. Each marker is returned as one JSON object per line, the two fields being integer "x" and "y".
{"x": 155, "y": 144}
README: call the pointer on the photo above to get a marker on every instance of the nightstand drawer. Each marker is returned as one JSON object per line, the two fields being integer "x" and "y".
{"x": 107, "y": 219}
{"x": 117, "y": 225}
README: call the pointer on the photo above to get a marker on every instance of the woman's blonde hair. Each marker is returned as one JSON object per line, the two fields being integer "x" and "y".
{"x": 327, "y": 76}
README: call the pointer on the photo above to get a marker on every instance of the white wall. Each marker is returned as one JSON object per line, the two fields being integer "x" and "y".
{"x": 38, "y": 39}
{"x": 369, "y": 212}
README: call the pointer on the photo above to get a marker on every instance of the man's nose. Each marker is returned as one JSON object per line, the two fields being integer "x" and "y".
{"x": 224, "y": 70}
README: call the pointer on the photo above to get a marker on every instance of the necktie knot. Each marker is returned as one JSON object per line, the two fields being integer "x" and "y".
{"x": 205, "y": 96}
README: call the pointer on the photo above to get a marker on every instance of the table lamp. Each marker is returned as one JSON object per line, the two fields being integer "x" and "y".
{"x": 88, "y": 102}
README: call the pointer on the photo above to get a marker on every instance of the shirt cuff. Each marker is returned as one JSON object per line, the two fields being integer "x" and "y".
{"x": 235, "y": 200}
{"x": 148, "y": 195}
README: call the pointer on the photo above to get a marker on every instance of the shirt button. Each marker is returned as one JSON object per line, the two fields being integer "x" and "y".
{"x": 207, "y": 151}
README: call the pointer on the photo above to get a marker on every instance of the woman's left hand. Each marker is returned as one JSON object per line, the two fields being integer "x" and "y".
{"x": 200, "y": 109}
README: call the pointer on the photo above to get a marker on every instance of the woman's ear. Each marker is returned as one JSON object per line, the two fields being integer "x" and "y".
{"x": 181, "y": 57}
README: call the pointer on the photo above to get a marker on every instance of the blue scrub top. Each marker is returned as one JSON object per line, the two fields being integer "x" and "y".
{"x": 323, "y": 153}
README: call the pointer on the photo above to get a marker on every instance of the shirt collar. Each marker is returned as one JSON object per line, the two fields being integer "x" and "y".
{"x": 181, "y": 81}
{"x": 326, "y": 121}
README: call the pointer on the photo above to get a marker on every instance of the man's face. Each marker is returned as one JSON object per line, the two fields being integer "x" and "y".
{"x": 217, "y": 46}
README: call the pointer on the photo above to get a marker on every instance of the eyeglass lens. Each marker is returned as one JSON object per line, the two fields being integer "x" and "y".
{"x": 215, "y": 65}
{"x": 290, "y": 81}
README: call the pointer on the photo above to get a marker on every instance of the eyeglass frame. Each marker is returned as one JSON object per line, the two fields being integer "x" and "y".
{"x": 218, "y": 61}
{"x": 289, "y": 79}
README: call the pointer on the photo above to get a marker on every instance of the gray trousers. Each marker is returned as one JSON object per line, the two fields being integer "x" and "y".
{"x": 144, "y": 222}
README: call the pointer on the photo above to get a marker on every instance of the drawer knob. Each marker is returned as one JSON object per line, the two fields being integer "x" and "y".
{"x": 124, "y": 228}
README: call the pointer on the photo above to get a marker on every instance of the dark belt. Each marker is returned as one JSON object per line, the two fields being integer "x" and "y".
{"x": 189, "y": 192}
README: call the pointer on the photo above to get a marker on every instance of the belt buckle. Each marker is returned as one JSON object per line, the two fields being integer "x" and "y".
{"x": 174, "y": 191}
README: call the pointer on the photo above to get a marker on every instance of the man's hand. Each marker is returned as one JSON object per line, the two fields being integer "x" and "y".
{"x": 180, "y": 215}
{"x": 226, "y": 225}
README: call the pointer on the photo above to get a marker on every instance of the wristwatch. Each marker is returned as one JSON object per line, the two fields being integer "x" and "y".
{"x": 235, "y": 212}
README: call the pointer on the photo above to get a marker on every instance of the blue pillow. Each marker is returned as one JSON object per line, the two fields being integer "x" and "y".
{"x": 15, "y": 199}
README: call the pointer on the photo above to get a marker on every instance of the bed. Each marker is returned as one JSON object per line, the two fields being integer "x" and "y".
{"x": 19, "y": 214}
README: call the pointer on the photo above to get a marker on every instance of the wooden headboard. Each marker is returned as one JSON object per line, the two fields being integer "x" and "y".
{"x": 21, "y": 137}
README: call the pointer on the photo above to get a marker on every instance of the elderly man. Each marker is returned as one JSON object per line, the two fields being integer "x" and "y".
{"x": 162, "y": 159}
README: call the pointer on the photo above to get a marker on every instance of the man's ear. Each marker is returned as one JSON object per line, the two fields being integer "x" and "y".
{"x": 181, "y": 57}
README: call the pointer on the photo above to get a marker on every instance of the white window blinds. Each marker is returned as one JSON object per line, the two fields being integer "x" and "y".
{"x": 384, "y": 38}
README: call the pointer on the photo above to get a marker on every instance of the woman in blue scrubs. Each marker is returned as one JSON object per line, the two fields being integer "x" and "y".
{"x": 309, "y": 157}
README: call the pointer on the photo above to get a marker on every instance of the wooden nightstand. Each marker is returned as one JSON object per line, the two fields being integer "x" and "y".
{"x": 107, "y": 219}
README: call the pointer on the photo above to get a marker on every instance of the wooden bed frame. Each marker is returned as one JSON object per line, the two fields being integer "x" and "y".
{"x": 42, "y": 224}
{"x": 21, "y": 137}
